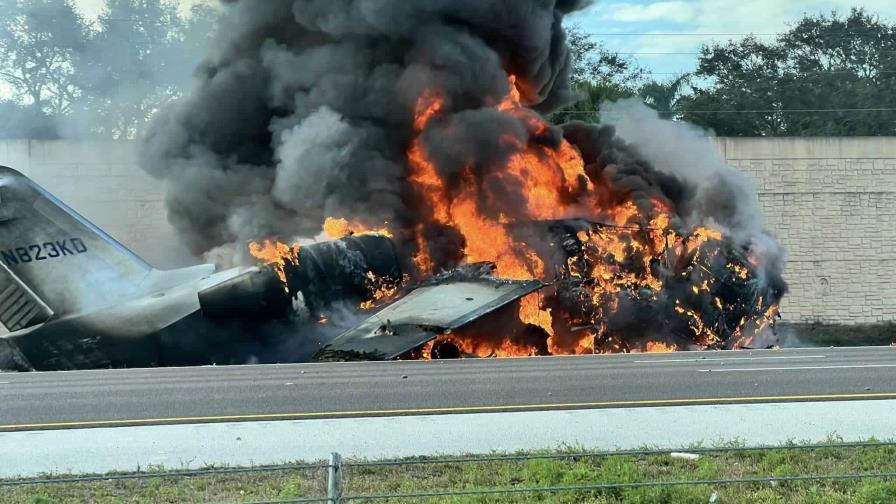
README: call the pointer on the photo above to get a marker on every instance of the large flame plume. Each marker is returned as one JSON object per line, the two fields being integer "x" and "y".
{"x": 632, "y": 253}
{"x": 425, "y": 121}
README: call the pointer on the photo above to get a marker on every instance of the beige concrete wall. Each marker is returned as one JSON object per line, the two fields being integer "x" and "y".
{"x": 832, "y": 201}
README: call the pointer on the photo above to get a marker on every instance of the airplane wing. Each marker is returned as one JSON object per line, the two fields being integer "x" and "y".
{"x": 426, "y": 313}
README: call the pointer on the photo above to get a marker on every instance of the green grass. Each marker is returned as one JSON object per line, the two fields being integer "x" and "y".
{"x": 284, "y": 485}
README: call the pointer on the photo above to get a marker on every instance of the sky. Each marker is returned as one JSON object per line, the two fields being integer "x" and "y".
{"x": 676, "y": 26}
{"x": 92, "y": 8}
{"x": 648, "y": 27}
{"x": 682, "y": 26}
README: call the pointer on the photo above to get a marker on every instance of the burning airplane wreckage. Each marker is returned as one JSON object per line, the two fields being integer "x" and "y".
{"x": 463, "y": 222}
{"x": 416, "y": 134}
{"x": 611, "y": 288}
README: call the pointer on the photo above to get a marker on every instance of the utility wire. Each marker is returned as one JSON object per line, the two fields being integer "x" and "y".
{"x": 766, "y": 111}
{"x": 820, "y": 72}
{"x": 297, "y": 501}
{"x": 717, "y": 34}
{"x": 659, "y": 53}
{"x": 641, "y": 53}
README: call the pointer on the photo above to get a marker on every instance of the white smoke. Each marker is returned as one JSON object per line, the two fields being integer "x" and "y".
{"x": 308, "y": 153}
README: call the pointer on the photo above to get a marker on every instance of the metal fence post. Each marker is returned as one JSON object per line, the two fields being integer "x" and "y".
{"x": 334, "y": 479}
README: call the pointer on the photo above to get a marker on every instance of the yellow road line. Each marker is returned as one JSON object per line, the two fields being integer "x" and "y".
{"x": 452, "y": 409}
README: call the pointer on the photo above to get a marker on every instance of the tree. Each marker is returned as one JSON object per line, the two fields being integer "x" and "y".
{"x": 665, "y": 96}
{"x": 597, "y": 75}
{"x": 140, "y": 57}
{"x": 39, "y": 41}
{"x": 828, "y": 75}
{"x": 102, "y": 80}
{"x": 25, "y": 121}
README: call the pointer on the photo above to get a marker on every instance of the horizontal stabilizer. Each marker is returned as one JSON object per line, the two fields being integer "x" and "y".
{"x": 20, "y": 308}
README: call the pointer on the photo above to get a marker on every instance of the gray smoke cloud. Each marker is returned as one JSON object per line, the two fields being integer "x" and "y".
{"x": 305, "y": 108}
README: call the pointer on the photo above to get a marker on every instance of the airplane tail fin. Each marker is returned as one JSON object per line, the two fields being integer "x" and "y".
{"x": 55, "y": 262}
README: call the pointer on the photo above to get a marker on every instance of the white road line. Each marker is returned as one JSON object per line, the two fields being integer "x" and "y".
{"x": 795, "y": 368}
{"x": 792, "y": 357}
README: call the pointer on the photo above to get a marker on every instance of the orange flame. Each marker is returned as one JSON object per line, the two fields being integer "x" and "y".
{"x": 338, "y": 228}
{"x": 531, "y": 312}
{"x": 276, "y": 255}
{"x": 555, "y": 186}
{"x": 472, "y": 345}
{"x": 629, "y": 254}
{"x": 660, "y": 347}
{"x": 381, "y": 290}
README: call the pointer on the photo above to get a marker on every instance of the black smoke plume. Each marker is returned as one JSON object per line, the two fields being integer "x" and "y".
{"x": 306, "y": 107}
{"x": 306, "y": 110}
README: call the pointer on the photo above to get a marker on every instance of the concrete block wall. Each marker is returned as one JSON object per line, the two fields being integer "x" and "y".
{"x": 831, "y": 201}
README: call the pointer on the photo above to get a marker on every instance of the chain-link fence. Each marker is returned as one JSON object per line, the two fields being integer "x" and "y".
{"x": 332, "y": 481}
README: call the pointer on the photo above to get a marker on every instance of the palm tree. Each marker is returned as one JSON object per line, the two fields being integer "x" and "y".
{"x": 587, "y": 107}
{"x": 665, "y": 96}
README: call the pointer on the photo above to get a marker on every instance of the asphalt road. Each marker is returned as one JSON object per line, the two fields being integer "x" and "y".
{"x": 77, "y": 399}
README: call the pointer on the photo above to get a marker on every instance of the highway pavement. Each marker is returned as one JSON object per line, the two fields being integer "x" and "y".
{"x": 111, "y": 398}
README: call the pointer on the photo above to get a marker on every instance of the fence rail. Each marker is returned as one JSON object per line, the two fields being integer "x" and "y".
{"x": 164, "y": 474}
{"x": 335, "y": 468}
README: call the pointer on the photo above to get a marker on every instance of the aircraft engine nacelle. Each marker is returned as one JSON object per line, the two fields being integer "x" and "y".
{"x": 256, "y": 294}
{"x": 340, "y": 270}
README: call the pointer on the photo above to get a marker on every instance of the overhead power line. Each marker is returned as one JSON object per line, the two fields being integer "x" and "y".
{"x": 682, "y": 34}
{"x": 765, "y": 111}
{"x": 825, "y": 72}
{"x": 636, "y": 53}
{"x": 829, "y": 72}
{"x": 700, "y": 34}
{"x": 644, "y": 53}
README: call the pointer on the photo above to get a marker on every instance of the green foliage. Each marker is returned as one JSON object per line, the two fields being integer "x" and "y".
{"x": 294, "y": 489}
{"x": 876, "y": 492}
{"x": 823, "y": 62}
{"x": 683, "y": 495}
{"x": 665, "y": 96}
{"x": 39, "y": 42}
{"x": 531, "y": 473}
{"x": 39, "y": 499}
{"x": 598, "y": 74}
{"x": 101, "y": 79}
{"x": 590, "y": 96}
{"x": 25, "y": 121}
{"x": 593, "y": 62}
{"x": 139, "y": 56}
